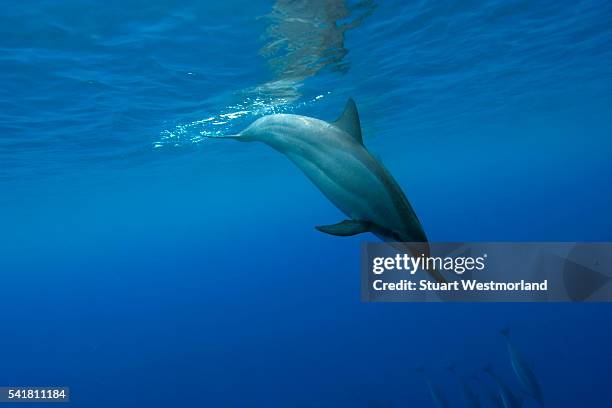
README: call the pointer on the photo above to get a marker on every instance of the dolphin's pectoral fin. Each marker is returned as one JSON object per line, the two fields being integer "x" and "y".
{"x": 346, "y": 228}
{"x": 349, "y": 121}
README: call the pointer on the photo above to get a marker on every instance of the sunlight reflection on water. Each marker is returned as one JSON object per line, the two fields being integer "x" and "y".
{"x": 302, "y": 38}
{"x": 226, "y": 122}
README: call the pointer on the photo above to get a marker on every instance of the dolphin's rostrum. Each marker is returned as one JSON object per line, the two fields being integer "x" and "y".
{"x": 333, "y": 157}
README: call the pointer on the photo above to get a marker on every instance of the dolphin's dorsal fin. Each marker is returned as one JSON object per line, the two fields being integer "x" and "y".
{"x": 349, "y": 121}
{"x": 346, "y": 228}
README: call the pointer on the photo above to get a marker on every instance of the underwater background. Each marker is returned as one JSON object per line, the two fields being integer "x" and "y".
{"x": 144, "y": 265}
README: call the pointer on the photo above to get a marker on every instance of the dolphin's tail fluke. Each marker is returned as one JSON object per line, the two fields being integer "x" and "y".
{"x": 433, "y": 271}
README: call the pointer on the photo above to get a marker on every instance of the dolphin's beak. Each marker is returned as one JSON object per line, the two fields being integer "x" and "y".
{"x": 234, "y": 136}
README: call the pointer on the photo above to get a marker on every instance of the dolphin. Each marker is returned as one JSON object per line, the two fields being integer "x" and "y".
{"x": 469, "y": 394}
{"x": 435, "y": 393}
{"x": 508, "y": 398}
{"x": 332, "y": 155}
{"x": 522, "y": 370}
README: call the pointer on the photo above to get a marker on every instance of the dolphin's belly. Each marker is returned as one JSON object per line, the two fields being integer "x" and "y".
{"x": 351, "y": 182}
{"x": 344, "y": 171}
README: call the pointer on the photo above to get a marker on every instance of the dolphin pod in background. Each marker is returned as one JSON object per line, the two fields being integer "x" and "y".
{"x": 522, "y": 370}
{"x": 469, "y": 394}
{"x": 334, "y": 158}
{"x": 507, "y": 396}
{"x": 435, "y": 393}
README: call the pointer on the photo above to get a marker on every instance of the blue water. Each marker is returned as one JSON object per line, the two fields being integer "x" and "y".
{"x": 145, "y": 265}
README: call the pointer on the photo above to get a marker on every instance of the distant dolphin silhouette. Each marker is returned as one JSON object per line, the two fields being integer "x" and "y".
{"x": 333, "y": 157}
{"x": 434, "y": 391}
{"x": 508, "y": 398}
{"x": 522, "y": 370}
